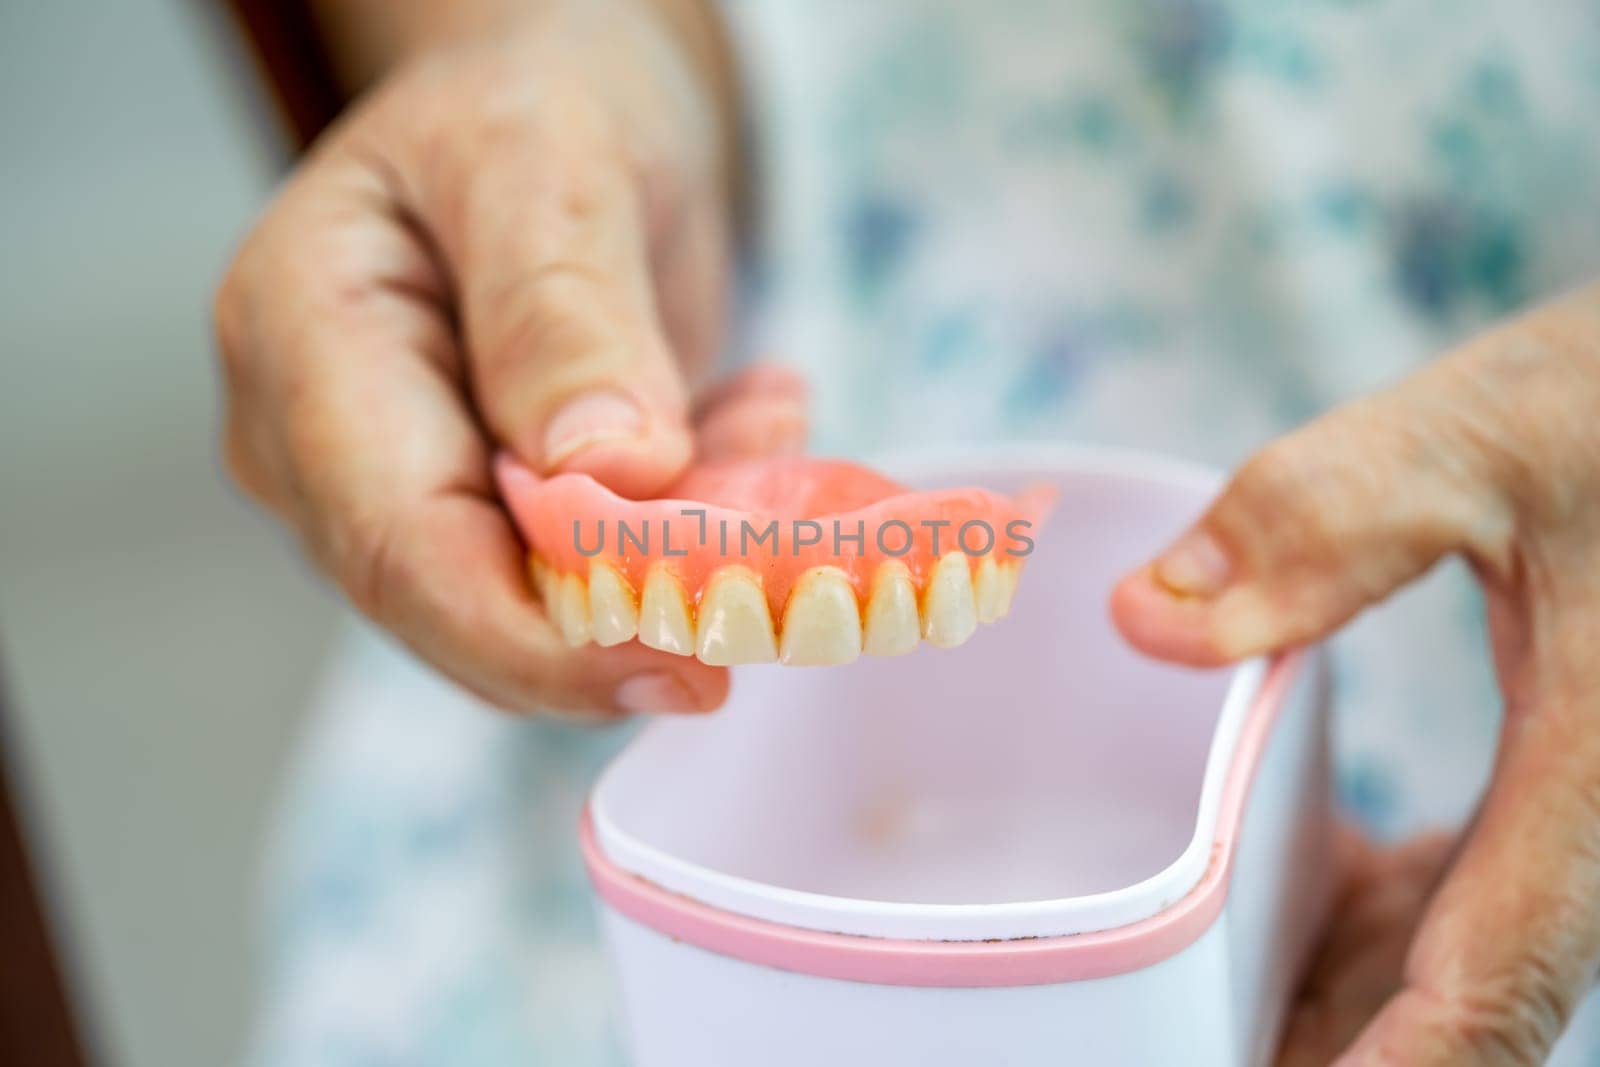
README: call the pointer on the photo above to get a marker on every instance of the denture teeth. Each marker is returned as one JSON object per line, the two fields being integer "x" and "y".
{"x": 734, "y": 625}
{"x": 571, "y": 609}
{"x": 1009, "y": 573}
{"x": 949, "y": 615}
{"x": 989, "y": 590}
{"x": 613, "y": 613}
{"x": 892, "y": 628}
{"x": 664, "y": 621}
{"x": 822, "y": 621}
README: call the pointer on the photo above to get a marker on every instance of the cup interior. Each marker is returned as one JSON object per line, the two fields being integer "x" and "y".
{"x": 1042, "y": 760}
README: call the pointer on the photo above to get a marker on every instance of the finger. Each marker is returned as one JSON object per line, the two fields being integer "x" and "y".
{"x": 388, "y": 476}
{"x": 544, "y": 229}
{"x": 1324, "y": 522}
{"x": 762, "y": 411}
{"x": 1361, "y": 960}
{"x": 1341, "y": 513}
{"x": 448, "y": 580}
{"x": 1511, "y": 941}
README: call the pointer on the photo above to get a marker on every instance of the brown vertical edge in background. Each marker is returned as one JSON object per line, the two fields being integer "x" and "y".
{"x": 37, "y": 1024}
{"x": 283, "y": 35}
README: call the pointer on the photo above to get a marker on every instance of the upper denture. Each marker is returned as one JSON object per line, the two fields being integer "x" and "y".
{"x": 794, "y": 560}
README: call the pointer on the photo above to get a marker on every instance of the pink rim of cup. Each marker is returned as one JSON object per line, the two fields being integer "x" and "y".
{"x": 966, "y": 964}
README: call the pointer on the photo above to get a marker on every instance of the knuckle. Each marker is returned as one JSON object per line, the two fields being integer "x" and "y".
{"x": 1514, "y": 1033}
{"x": 561, "y": 312}
{"x": 245, "y": 440}
{"x": 1269, "y": 495}
{"x": 246, "y": 290}
{"x": 565, "y": 290}
{"x": 518, "y": 134}
{"x": 1270, "y": 475}
{"x": 1511, "y": 1018}
{"x": 368, "y": 561}
{"x": 580, "y": 203}
{"x": 228, "y": 317}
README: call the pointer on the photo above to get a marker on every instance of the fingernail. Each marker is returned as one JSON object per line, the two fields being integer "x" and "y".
{"x": 656, "y": 691}
{"x": 1195, "y": 566}
{"x": 588, "y": 420}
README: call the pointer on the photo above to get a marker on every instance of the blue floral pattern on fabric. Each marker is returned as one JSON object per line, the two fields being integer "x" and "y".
{"x": 1177, "y": 225}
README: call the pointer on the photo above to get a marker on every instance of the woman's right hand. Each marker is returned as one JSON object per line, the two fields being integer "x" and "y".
{"x": 516, "y": 243}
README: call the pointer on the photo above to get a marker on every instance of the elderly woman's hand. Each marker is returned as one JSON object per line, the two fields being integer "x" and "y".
{"x": 515, "y": 242}
{"x": 1445, "y": 954}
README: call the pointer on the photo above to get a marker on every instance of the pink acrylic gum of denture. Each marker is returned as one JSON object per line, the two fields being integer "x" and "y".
{"x": 796, "y": 559}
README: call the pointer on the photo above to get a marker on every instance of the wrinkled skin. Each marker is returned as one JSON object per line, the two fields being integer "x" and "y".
{"x": 502, "y": 227}
{"x": 1477, "y": 952}
{"x": 506, "y": 226}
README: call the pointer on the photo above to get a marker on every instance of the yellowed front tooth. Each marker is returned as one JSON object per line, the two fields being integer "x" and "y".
{"x": 572, "y": 609}
{"x": 892, "y": 628}
{"x": 948, "y": 613}
{"x": 822, "y": 621}
{"x": 989, "y": 589}
{"x": 664, "y": 621}
{"x": 734, "y": 623}
{"x": 613, "y": 614}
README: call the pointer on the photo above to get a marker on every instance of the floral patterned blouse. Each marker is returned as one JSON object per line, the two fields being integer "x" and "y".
{"x": 1177, "y": 225}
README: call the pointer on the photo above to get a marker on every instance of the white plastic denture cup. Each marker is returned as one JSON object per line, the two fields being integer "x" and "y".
{"x": 1038, "y": 848}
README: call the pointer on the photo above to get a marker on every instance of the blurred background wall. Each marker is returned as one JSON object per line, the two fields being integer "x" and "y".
{"x": 158, "y": 637}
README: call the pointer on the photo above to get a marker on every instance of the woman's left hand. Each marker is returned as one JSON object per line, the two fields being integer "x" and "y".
{"x": 1444, "y": 953}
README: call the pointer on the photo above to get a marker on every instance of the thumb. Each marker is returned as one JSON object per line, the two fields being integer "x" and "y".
{"x": 569, "y": 363}
{"x": 1488, "y": 453}
{"x": 1321, "y": 523}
